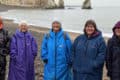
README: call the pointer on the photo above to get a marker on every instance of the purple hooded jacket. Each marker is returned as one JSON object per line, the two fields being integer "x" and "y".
{"x": 23, "y": 49}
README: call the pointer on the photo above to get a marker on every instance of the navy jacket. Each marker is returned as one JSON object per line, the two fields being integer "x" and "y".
{"x": 89, "y": 55}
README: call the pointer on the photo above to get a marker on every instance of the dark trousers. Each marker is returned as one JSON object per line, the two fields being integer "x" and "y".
{"x": 2, "y": 76}
{"x": 2, "y": 68}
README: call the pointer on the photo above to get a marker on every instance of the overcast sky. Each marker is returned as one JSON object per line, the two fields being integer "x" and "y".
{"x": 95, "y": 2}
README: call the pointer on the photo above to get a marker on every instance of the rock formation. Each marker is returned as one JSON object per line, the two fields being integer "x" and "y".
{"x": 87, "y": 4}
{"x": 61, "y": 4}
{"x": 35, "y": 3}
{"x": 55, "y": 4}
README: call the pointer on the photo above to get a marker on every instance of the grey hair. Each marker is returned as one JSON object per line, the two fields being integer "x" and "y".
{"x": 23, "y": 23}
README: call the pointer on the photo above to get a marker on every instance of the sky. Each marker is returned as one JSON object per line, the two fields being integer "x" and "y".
{"x": 94, "y": 2}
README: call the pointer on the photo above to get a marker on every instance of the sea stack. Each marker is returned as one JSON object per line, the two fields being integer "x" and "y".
{"x": 51, "y": 4}
{"x": 87, "y": 4}
{"x": 61, "y": 4}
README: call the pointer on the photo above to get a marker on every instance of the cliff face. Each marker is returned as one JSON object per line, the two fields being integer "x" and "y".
{"x": 55, "y": 4}
{"x": 35, "y": 3}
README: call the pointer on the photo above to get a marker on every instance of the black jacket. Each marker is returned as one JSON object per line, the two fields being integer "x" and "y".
{"x": 4, "y": 48}
{"x": 4, "y": 42}
{"x": 113, "y": 56}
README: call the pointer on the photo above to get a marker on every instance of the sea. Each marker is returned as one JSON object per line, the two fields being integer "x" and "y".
{"x": 72, "y": 18}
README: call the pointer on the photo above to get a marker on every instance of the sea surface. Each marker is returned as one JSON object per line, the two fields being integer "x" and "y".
{"x": 72, "y": 18}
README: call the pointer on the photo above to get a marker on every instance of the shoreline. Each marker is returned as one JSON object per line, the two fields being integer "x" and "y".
{"x": 4, "y": 7}
{"x": 38, "y": 29}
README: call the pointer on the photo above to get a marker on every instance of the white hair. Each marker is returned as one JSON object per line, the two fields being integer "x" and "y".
{"x": 23, "y": 23}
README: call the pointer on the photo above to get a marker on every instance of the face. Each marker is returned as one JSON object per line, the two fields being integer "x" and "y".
{"x": 117, "y": 31}
{"x": 56, "y": 27}
{"x": 90, "y": 29}
{"x": 23, "y": 28}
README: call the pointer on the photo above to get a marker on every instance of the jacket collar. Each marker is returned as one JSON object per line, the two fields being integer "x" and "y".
{"x": 94, "y": 35}
{"x": 21, "y": 34}
{"x": 115, "y": 38}
{"x": 58, "y": 34}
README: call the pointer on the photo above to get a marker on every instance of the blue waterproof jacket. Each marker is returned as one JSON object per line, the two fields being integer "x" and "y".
{"x": 55, "y": 52}
{"x": 88, "y": 56}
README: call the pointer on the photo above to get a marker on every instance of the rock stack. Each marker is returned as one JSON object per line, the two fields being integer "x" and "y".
{"x": 87, "y": 4}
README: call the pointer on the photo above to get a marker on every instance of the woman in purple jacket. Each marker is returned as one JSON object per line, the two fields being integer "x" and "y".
{"x": 23, "y": 50}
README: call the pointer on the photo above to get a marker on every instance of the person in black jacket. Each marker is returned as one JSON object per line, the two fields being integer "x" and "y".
{"x": 113, "y": 54}
{"x": 4, "y": 49}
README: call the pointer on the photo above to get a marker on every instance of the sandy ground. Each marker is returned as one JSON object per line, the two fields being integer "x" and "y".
{"x": 38, "y": 32}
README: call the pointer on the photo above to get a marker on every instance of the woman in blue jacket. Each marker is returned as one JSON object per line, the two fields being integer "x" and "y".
{"x": 88, "y": 53}
{"x": 55, "y": 53}
{"x": 113, "y": 54}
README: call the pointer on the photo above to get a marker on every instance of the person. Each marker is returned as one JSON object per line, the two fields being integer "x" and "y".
{"x": 113, "y": 54}
{"x": 23, "y": 50}
{"x": 55, "y": 53}
{"x": 88, "y": 52}
{"x": 4, "y": 49}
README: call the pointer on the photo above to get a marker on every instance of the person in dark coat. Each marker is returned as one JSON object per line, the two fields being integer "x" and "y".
{"x": 55, "y": 52}
{"x": 23, "y": 50}
{"x": 88, "y": 52}
{"x": 4, "y": 49}
{"x": 113, "y": 54}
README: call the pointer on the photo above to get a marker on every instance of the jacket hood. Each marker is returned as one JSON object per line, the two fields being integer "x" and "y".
{"x": 117, "y": 25}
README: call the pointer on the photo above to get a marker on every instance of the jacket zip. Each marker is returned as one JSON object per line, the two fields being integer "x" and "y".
{"x": 25, "y": 50}
{"x": 55, "y": 56}
{"x": 86, "y": 46}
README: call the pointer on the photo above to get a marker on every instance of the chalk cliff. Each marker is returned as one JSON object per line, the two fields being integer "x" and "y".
{"x": 35, "y": 3}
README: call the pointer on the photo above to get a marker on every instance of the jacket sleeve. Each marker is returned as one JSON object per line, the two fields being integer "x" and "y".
{"x": 108, "y": 57}
{"x": 100, "y": 57}
{"x": 68, "y": 45}
{"x": 34, "y": 47}
{"x": 13, "y": 48}
{"x": 44, "y": 49}
{"x": 8, "y": 43}
{"x": 73, "y": 51}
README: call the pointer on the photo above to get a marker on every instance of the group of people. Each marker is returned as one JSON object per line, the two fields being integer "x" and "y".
{"x": 63, "y": 60}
